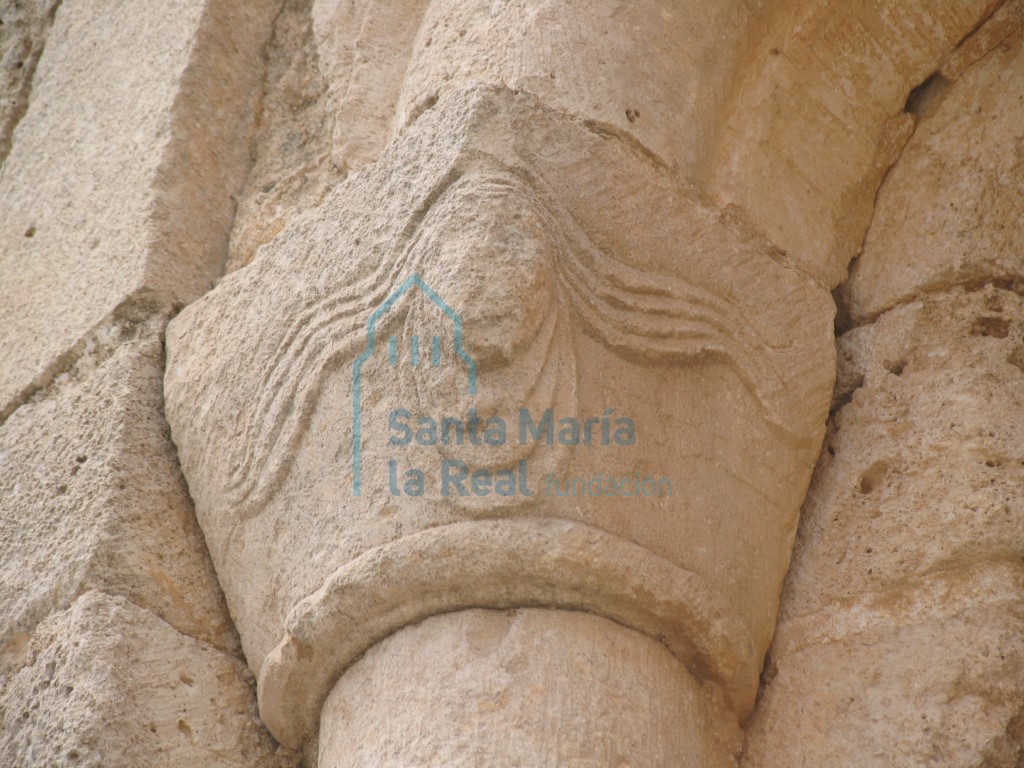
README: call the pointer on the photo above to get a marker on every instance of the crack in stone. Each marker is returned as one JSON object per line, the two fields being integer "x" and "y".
{"x": 21, "y": 98}
{"x": 139, "y": 314}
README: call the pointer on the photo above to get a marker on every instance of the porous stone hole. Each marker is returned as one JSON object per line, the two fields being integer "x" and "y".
{"x": 186, "y": 679}
{"x": 186, "y": 729}
{"x": 425, "y": 104}
{"x": 896, "y": 367}
{"x": 994, "y": 300}
{"x": 31, "y": 231}
{"x": 993, "y": 462}
{"x": 873, "y": 476}
{"x": 845, "y": 390}
{"x": 925, "y": 96}
{"x": 991, "y": 325}
{"x": 632, "y": 114}
{"x": 15, "y": 652}
{"x": 1012, "y": 284}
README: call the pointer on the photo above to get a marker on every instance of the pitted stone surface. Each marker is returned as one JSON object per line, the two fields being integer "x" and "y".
{"x": 815, "y": 118}
{"x": 108, "y": 685}
{"x": 121, "y": 172}
{"x": 25, "y": 24}
{"x": 951, "y": 211}
{"x": 899, "y": 637}
{"x": 91, "y": 497}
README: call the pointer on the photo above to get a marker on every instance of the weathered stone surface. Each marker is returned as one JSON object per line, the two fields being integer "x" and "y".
{"x": 292, "y": 170}
{"x": 91, "y": 497}
{"x": 501, "y": 564}
{"x": 122, "y": 170}
{"x": 944, "y": 690}
{"x": 513, "y": 179}
{"x": 999, "y": 27}
{"x": 588, "y": 278}
{"x": 364, "y": 52}
{"x": 107, "y": 684}
{"x": 930, "y": 441}
{"x": 899, "y": 633}
{"x": 815, "y": 117}
{"x": 950, "y": 212}
{"x": 899, "y": 637}
{"x": 653, "y": 69}
{"x": 22, "y": 37}
{"x": 522, "y": 688}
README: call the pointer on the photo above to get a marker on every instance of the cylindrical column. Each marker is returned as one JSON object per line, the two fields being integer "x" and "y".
{"x": 521, "y": 688}
{"x": 656, "y": 70}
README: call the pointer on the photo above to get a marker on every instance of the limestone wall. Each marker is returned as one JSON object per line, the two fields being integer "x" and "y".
{"x": 786, "y": 240}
